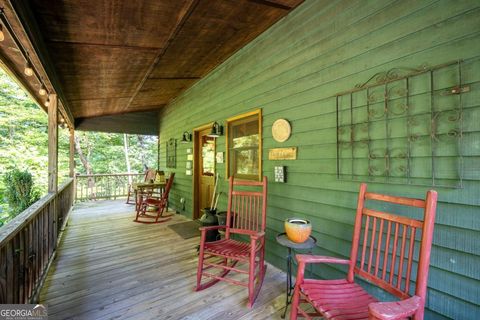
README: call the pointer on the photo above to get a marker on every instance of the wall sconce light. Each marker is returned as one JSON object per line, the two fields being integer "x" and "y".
{"x": 186, "y": 137}
{"x": 217, "y": 130}
{"x": 47, "y": 103}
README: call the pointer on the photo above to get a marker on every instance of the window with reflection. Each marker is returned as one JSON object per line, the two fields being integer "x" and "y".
{"x": 244, "y": 146}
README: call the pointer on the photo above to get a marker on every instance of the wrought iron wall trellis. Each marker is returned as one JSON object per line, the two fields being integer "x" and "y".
{"x": 403, "y": 126}
{"x": 171, "y": 153}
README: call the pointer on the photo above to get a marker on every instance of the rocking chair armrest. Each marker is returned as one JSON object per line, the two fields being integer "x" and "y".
{"x": 396, "y": 309}
{"x": 306, "y": 258}
{"x": 204, "y": 229}
{"x": 257, "y": 235}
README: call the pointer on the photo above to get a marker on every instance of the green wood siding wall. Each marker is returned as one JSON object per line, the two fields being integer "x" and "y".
{"x": 292, "y": 71}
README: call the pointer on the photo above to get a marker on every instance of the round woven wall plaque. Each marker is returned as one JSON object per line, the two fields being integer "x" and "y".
{"x": 281, "y": 130}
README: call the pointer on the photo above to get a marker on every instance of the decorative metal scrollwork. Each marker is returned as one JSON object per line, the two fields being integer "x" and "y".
{"x": 398, "y": 117}
{"x": 391, "y": 75}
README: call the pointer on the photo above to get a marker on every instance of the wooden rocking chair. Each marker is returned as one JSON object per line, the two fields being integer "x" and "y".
{"x": 385, "y": 244}
{"x": 246, "y": 215}
{"x": 160, "y": 203}
{"x": 149, "y": 175}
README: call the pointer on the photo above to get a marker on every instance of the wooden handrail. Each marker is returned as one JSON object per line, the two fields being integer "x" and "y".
{"x": 28, "y": 243}
{"x": 105, "y": 185}
{"x": 109, "y": 174}
{"x": 8, "y": 231}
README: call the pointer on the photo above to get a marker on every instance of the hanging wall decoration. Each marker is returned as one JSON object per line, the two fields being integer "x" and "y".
{"x": 281, "y": 130}
{"x": 171, "y": 153}
{"x": 404, "y": 126}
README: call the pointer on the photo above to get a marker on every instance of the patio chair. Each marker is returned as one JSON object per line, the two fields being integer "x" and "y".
{"x": 383, "y": 253}
{"x": 149, "y": 175}
{"x": 160, "y": 204}
{"x": 246, "y": 217}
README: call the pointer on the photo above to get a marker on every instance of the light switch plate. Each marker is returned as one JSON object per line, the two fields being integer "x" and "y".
{"x": 280, "y": 175}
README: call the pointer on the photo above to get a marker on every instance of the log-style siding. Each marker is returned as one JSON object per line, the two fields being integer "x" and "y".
{"x": 293, "y": 71}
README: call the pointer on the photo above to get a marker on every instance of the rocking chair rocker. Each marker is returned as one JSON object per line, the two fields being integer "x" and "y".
{"x": 160, "y": 203}
{"x": 385, "y": 244}
{"x": 246, "y": 216}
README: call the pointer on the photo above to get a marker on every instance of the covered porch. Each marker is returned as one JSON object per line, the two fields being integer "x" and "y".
{"x": 108, "y": 267}
{"x": 383, "y": 92}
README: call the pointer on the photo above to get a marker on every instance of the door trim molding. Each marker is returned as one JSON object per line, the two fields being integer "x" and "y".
{"x": 195, "y": 186}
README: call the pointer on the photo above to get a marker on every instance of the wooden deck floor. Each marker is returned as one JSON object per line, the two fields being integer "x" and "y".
{"x": 109, "y": 267}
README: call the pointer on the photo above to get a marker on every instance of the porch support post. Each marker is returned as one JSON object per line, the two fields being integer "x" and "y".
{"x": 72, "y": 153}
{"x": 53, "y": 144}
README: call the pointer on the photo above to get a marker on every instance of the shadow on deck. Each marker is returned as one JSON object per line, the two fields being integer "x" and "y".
{"x": 108, "y": 267}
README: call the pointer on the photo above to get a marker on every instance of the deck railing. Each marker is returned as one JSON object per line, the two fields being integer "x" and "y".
{"x": 28, "y": 243}
{"x": 104, "y": 186}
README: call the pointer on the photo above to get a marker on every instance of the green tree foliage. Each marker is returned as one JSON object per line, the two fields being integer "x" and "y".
{"x": 20, "y": 193}
{"x": 24, "y": 143}
{"x": 106, "y": 154}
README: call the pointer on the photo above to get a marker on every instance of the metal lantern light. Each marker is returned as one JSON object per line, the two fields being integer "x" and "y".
{"x": 217, "y": 130}
{"x": 186, "y": 137}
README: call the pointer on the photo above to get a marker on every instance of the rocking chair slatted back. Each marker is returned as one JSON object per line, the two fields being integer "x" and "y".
{"x": 246, "y": 208}
{"x": 383, "y": 249}
{"x": 150, "y": 175}
{"x": 168, "y": 186}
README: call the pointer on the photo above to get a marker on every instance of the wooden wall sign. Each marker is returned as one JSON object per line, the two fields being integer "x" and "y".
{"x": 282, "y": 154}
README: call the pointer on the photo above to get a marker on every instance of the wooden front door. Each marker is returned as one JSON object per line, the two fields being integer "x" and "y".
{"x": 204, "y": 171}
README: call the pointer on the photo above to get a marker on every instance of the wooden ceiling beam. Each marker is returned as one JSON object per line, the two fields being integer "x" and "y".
{"x": 31, "y": 29}
{"x": 145, "y": 123}
{"x": 272, "y": 4}
{"x": 107, "y": 45}
{"x": 186, "y": 12}
{"x": 174, "y": 78}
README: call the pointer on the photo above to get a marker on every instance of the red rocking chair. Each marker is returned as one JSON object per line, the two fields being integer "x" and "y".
{"x": 149, "y": 175}
{"x": 246, "y": 216}
{"x": 159, "y": 203}
{"x": 385, "y": 245}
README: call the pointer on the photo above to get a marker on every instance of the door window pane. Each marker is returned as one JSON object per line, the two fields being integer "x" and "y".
{"x": 208, "y": 156}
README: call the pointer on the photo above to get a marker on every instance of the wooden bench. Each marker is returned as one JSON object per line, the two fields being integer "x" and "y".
{"x": 384, "y": 254}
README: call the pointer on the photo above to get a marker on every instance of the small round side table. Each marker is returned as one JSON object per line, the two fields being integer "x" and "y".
{"x": 283, "y": 240}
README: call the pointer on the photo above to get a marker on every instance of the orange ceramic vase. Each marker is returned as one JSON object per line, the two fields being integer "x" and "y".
{"x": 298, "y": 230}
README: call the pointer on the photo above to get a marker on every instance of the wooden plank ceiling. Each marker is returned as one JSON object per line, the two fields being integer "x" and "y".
{"x": 116, "y": 57}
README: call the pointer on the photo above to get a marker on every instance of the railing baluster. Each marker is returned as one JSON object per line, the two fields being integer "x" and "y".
{"x": 28, "y": 245}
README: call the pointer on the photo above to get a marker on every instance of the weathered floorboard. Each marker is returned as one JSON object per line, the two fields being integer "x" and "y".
{"x": 109, "y": 267}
